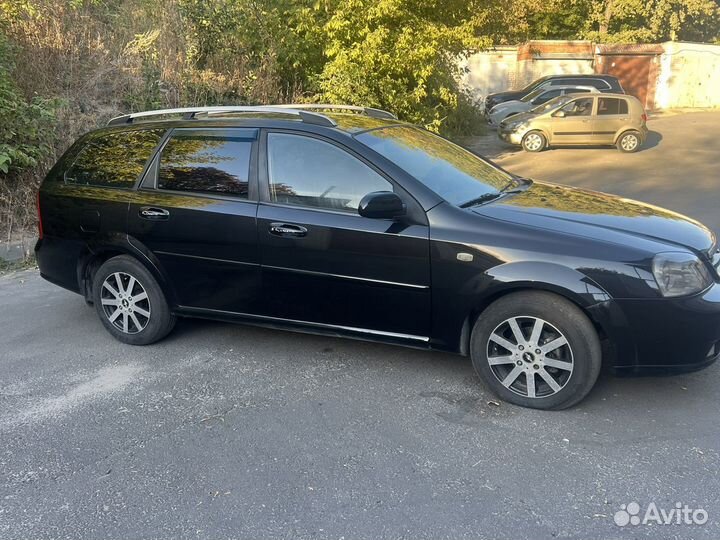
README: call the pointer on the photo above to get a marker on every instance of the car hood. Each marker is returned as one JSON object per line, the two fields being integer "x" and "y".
{"x": 499, "y": 97}
{"x": 520, "y": 117}
{"x": 512, "y": 105}
{"x": 597, "y": 215}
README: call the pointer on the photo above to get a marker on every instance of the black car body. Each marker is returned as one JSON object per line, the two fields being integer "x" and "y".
{"x": 604, "y": 83}
{"x": 225, "y": 232}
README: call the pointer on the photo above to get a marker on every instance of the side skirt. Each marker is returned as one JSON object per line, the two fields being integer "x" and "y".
{"x": 307, "y": 327}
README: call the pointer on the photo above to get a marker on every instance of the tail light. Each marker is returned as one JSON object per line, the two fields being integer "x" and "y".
{"x": 40, "y": 226}
{"x": 644, "y": 117}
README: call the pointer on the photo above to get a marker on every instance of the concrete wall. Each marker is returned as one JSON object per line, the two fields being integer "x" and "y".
{"x": 689, "y": 76}
{"x": 539, "y": 58}
{"x": 490, "y": 71}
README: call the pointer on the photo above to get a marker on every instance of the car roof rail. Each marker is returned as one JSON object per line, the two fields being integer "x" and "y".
{"x": 369, "y": 111}
{"x": 190, "y": 112}
{"x": 306, "y": 111}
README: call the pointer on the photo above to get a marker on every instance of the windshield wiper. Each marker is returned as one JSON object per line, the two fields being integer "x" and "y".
{"x": 485, "y": 197}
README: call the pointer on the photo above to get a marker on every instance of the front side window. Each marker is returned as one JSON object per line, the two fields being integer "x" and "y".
{"x": 608, "y": 106}
{"x": 115, "y": 160}
{"x": 579, "y": 107}
{"x": 205, "y": 162}
{"x": 456, "y": 174}
{"x": 309, "y": 172}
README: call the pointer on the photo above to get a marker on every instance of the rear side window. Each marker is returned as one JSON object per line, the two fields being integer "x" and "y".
{"x": 204, "y": 161}
{"x": 115, "y": 160}
{"x": 612, "y": 106}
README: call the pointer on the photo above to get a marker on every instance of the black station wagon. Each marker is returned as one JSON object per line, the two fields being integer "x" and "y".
{"x": 345, "y": 221}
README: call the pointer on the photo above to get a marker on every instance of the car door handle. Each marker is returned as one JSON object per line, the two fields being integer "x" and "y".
{"x": 287, "y": 229}
{"x": 150, "y": 212}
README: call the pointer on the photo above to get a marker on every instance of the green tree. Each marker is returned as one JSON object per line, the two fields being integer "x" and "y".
{"x": 401, "y": 55}
{"x": 654, "y": 20}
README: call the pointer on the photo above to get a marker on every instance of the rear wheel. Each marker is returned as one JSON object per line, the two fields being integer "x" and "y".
{"x": 629, "y": 142}
{"x": 536, "y": 349}
{"x": 534, "y": 141}
{"x": 130, "y": 303}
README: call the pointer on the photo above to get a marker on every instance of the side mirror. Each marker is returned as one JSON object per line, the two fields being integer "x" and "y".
{"x": 381, "y": 205}
{"x": 560, "y": 114}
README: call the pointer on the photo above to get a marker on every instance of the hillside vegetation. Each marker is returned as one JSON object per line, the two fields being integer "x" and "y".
{"x": 68, "y": 66}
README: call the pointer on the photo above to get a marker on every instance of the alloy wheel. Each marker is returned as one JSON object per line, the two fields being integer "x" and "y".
{"x": 530, "y": 357}
{"x": 125, "y": 303}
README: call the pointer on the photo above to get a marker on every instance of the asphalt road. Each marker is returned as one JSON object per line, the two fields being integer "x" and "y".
{"x": 225, "y": 431}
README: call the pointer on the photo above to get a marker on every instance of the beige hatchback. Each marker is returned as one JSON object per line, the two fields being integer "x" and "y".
{"x": 579, "y": 120}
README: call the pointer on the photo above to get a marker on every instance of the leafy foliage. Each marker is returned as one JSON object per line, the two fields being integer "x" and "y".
{"x": 23, "y": 124}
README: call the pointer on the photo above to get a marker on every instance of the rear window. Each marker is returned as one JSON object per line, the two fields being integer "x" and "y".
{"x": 612, "y": 106}
{"x": 207, "y": 161}
{"x": 115, "y": 160}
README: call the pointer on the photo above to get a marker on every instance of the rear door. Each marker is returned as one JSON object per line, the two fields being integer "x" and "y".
{"x": 576, "y": 126}
{"x": 325, "y": 264}
{"x": 85, "y": 197}
{"x": 195, "y": 211}
{"x": 612, "y": 114}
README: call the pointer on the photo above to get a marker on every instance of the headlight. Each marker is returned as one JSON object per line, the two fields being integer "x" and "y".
{"x": 680, "y": 274}
{"x": 516, "y": 126}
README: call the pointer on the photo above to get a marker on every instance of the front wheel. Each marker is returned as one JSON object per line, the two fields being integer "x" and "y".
{"x": 534, "y": 141}
{"x": 130, "y": 303}
{"x": 536, "y": 349}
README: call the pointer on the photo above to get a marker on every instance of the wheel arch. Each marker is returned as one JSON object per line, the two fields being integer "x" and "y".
{"x": 625, "y": 129}
{"x": 543, "y": 131}
{"x": 104, "y": 248}
{"x": 561, "y": 280}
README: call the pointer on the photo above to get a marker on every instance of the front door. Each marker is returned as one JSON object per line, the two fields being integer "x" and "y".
{"x": 322, "y": 262}
{"x": 195, "y": 211}
{"x": 573, "y": 123}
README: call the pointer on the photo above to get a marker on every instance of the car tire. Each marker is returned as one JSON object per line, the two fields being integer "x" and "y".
{"x": 629, "y": 142}
{"x": 130, "y": 303}
{"x": 566, "y": 349}
{"x": 534, "y": 141}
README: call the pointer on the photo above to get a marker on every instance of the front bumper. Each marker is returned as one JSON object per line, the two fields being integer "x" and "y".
{"x": 509, "y": 136}
{"x": 664, "y": 335}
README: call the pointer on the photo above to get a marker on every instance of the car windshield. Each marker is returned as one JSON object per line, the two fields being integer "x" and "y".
{"x": 534, "y": 84}
{"x": 456, "y": 174}
{"x": 532, "y": 95}
{"x": 552, "y": 104}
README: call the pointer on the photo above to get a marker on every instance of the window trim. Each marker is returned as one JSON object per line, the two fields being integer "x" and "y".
{"x": 264, "y": 174}
{"x": 149, "y": 182}
{"x": 95, "y": 136}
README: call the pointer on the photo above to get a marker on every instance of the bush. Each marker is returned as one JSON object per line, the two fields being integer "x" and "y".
{"x": 26, "y": 136}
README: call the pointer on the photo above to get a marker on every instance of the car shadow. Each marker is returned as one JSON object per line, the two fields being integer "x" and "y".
{"x": 450, "y": 377}
{"x": 653, "y": 139}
